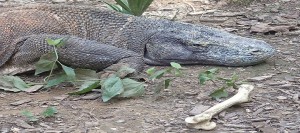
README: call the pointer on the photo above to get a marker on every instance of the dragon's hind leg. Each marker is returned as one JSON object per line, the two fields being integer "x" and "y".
{"x": 75, "y": 52}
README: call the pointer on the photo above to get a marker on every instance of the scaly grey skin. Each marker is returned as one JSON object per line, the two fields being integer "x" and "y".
{"x": 101, "y": 39}
{"x": 197, "y": 44}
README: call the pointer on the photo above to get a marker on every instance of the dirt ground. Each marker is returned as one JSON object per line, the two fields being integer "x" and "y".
{"x": 274, "y": 105}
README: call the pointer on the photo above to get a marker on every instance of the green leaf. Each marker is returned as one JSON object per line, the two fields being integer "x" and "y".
{"x": 29, "y": 116}
{"x": 69, "y": 72}
{"x": 85, "y": 74}
{"x": 213, "y": 70}
{"x": 19, "y": 83}
{"x": 46, "y": 63}
{"x": 86, "y": 87}
{"x": 49, "y": 112}
{"x": 124, "y": 4}
{"x": 169, "y": 70}
{"x": 158, "y": 74}
{"x": 124, "y": 71}
{"x": 117, "y": 8}
{"x": 132, "y": 88}
{"x": 134, "y": 7}
{"x": 159, "y": 87}
{"x": 203, "y": 78}
{"x": 10, "y": 89}
{"x": 54, "y": 42}
{"x": 167, "y": 83}
{"x": 175, "y": 65}
{"x": 137, "y": 7}
{"x": 207, "y": 75}
{"x": 178, "y": 72}
{"x": 217, "y": 94}
{"x": 57, "y": 79}
{"x": 111, "y": 87}
{"x": 232, "y": 81}
{"x": 150, "y": 71}
{"x": 12, "y": 83}
{"x": 113, "y": 6}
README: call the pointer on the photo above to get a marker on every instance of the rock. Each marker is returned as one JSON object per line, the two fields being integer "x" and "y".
{"x": 92, "y": 124}
{"x": 281, "y": 98}
{"x": 258, "y": 111}
{"x": 23, "y": 124}
{"x": 168, "y": 129}
{"x": 53, "y": 131}
{"x": 114, "y": 129}
{"x": 248, "y": 110}
{"x": 2, "y": 95}
{"x": 296, "y": 97}
{"x": 60, "y": 98}
{"x": 20, "y": 102}
{"x": 59, "y": 1}
{"x": 91, "y": 96}
{"x": 4, "y": 130}
{"x": 191, "y": 93}
{"x": 34, "y": 130}
{"x": 264, "y": 28}
{"x": 45, "y": 125}
{"x": 34, "y": 88}
{"x": 260, "y": 78}
{"x": 15, "y": 130}
{"x": 120, "y": 121}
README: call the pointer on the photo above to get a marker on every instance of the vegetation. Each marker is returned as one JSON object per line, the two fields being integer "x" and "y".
{"x": 133, "y": 7}
{"x": 211, "y": 75}
{"x": 154, "y": 75}
{"x": 48, "y": 112}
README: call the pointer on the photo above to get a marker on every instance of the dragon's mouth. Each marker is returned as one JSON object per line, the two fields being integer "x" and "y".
{"x": 164, "y": 62}
{"x": 232, "y": 60}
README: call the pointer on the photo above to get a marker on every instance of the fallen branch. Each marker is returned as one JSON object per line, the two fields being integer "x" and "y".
{"x": 202, "y": 121}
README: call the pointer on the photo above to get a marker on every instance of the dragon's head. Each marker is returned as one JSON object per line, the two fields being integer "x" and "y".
{"x": 194, "y": 44}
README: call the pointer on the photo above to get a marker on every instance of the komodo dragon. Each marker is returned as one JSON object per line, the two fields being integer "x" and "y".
{"x": 99, "y": 38}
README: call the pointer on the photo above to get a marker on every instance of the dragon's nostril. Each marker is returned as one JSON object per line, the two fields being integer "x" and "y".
{"x": 255, "y": 52}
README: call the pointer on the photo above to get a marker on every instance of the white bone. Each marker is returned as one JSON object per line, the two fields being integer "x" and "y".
{"x": 202, "y": 121}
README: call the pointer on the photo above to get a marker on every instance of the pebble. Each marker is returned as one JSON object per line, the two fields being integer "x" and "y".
{"x": 23, "y": 124}
{"x": 59, "y": 1}
{"x": 60, "y": 98}
{"x": 45, "y": 125}
{"x": 91, "y": 124}
{"x": 2, "y": 95}
{"x": 281, "y": 98}
{"x": 248, "y": 111}
{"x": 260, "y": 78}
{"x": 91, "y": 96}
{"x": 53, "y": 131}
{"x": 168, "y": 129}
{"x": 4, "y": 130}
{"x": 20, "y": 102}
{"x": 114, "y": 129}
{"x": 120, "y": 121}
{"x": 191, "y": 93}
{"x": 35, "y": 130}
